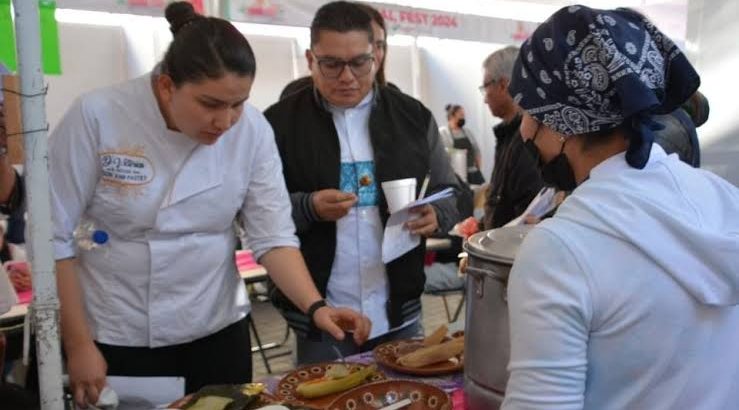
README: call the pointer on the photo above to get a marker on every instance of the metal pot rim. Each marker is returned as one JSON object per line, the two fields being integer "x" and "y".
{"x": 497, "y": 245}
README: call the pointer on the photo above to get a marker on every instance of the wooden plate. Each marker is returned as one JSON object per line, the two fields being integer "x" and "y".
{"x": 381, "y": 394}
{"x": 387, "y": 354}
{"x": 286, "y": 387}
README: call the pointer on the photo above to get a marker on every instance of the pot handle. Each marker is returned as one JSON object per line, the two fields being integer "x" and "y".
{"x": 482, "y": 273}
{"x": 479, "y": 275}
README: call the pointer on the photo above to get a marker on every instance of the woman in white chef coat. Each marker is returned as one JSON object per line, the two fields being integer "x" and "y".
{"x": 163, "y": 164}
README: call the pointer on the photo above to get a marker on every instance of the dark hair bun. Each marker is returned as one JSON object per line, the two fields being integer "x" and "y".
{"x": 179, "y": 14}
{"x": 448, "y": 107}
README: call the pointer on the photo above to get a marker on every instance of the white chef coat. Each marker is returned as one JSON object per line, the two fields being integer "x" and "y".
{"x": 167, "y": 275}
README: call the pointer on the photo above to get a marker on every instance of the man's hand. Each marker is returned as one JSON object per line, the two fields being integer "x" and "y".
{"x": 87, "y": 370}
{"x": 336, "y": 321}
{"x": 332, "y": 204}
{"x": 426, "y": 223}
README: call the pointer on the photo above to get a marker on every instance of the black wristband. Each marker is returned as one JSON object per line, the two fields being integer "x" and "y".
{"x": 315, "y": 306}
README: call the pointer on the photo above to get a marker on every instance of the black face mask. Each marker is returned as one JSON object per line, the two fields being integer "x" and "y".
{"x": 460, "y": 122}
{"x": 557, "y": 172}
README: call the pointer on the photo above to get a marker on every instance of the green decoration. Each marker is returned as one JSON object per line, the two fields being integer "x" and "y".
{"x": 49, "y": 37}
{"x": 7, "y": 37}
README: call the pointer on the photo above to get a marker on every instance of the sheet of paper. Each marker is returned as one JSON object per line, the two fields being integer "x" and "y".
{"x": 397, "y": 240}
{"x": 542, "y": 204}
{"x": 445, "y": 193}
{"x": 146, "y": 393}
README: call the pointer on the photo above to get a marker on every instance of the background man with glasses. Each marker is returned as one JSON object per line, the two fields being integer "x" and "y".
{"x": 515, "y": 180}
{"x": 339, "y": 140}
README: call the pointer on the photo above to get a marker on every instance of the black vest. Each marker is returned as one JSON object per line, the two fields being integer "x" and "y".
{"x": 309, "y": 147}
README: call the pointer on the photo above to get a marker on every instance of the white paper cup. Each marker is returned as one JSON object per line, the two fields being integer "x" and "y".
{"x": 399, "y": 193}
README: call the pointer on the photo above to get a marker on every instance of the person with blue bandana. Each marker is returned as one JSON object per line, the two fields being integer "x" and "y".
{"x": 627, "y": 297}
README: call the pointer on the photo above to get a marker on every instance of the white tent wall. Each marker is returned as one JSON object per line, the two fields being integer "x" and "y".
{"x": 275, "y": 69}
{"x": 399, "y": 67}
{"x": 147, "y": 39}
{"x": 101, "y": 55}
{"x": 712, "y": 43}
{"x": 92, "y": 57}
{"x": 451, "y": 72}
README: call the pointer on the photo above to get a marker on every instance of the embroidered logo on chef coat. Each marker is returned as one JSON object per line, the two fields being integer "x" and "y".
{"x": 128, "y": 168}
{"x": 359, "y": 178}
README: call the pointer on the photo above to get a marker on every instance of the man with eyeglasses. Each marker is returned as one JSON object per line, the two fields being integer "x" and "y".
{"x": 379, "y": 32}
{"x": 339, "y": 139}
{"x": 515, "y": 180}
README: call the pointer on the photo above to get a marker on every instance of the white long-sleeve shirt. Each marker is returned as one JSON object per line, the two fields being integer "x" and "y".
{"x": 358, "y": 278}
{"x": 626, "y": 298}
{"x": 167, "y": 274}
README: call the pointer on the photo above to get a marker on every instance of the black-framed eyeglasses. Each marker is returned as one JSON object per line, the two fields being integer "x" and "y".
{"x": 486, "y": 84}
{"x": 332, "y": 68}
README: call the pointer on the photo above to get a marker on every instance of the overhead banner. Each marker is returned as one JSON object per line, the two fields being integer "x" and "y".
{"x": 399, "y": 20}
{"x": 142, "y": 7}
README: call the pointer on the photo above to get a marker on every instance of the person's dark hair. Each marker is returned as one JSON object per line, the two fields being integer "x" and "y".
{"x": 599, "y": 138}
{"x": 342, "y": 17}
{"x": 697, "y": 108}
{"x": 204, "y": 47}
{"x": 296, "y": 85}
{"x": 451, "y": 110}
{"x": 376, "y": 16}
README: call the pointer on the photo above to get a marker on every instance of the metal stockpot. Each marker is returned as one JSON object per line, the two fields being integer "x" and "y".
{"x": 487, "y": 345}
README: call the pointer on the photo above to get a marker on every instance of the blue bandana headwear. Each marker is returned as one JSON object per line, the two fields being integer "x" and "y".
{"x": 586, "y": 70}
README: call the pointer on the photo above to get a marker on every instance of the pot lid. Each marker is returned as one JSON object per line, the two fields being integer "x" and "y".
{"x": 498, "y": 245}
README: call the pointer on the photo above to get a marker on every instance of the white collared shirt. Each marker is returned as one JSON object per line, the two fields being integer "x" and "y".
{"x": 167, "y": 274}
{"x": 358, "y": 278}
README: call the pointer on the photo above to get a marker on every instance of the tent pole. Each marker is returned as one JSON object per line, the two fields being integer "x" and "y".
{"x": 36, "y": 174}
